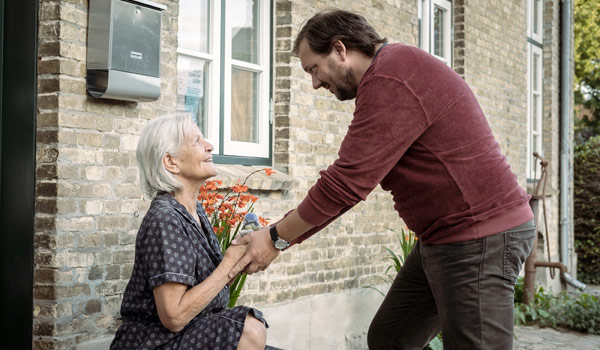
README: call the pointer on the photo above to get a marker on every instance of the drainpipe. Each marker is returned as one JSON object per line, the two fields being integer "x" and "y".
{"x": 565, "y": 124}
{"x": 566, "y": 168}
{"x": 565, "y": 174}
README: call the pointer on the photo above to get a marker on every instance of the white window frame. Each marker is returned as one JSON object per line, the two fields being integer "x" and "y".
{"x": 215, "y": 71}
{"x": 237, "y": 148}
{"x": 426, "y": 12}
{"x": 534, "y": 172}
{"x": 535, "y": 33}
{"x": 534, "y": 47}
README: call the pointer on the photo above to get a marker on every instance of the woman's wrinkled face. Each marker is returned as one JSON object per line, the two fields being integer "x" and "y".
{"x": 195, "y": 159}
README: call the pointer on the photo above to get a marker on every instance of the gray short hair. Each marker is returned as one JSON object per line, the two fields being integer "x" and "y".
{"x": 160, "y": 136}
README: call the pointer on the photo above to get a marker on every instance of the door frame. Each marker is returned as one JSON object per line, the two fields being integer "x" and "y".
{"x": 18, "y": 110}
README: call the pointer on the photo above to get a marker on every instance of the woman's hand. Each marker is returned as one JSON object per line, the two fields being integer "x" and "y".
{"x": 234, "y": 253}
{"x": 177, "y": 304}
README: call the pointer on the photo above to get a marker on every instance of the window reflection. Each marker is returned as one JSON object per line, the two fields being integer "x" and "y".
{"x": 536, "y": 15}
{"x": 192, "y": 78}
{"x": 244, "y": 30}
{"x": 244, "y": 111}
{"x": 536, "y": 59}
{"x": 194, "y": 25}
{"x": 535, "y": 110}
{"x": 438, "y": 34}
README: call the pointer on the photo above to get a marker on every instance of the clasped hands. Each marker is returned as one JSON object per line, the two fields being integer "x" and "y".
{"x": 258, "y": 255}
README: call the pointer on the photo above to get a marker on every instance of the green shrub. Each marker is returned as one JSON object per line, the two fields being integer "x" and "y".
{"x": 581, "y": 313}
{"x": 587, "y": 209}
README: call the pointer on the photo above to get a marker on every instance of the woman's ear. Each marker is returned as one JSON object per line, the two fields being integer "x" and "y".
{"x": 170, "y": 164}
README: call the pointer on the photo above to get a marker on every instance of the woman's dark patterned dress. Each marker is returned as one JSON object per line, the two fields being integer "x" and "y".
{"x": 172, "y": 247}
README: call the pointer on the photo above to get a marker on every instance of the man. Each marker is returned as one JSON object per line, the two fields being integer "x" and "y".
{"x": 419, "y": 132}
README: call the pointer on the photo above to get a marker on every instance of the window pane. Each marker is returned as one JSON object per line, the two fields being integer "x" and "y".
{"x": 536, "y": 14}
{"x": 244, "y": 30}
{"x": 438, "y": 31}
{"x": 244, "y": 105}
{"x": 192, "y": 79}
{"x": 535, "y": 148}
{"x": 535, "y": 109}
{"x": 536, "y": 62}
{"x": 194, "y": 25}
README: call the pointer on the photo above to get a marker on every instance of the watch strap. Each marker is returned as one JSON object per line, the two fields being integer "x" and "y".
{"x": 274, "y": 233}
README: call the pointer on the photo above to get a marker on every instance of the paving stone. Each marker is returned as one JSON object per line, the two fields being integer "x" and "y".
{"x": 535, "y": 338}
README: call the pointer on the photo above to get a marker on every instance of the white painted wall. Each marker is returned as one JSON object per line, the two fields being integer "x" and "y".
{"x": 337, "y": 321}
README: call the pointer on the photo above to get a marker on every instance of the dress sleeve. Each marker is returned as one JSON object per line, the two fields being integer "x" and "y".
{"x": 388, "y": 118}
{"x": 168, "y": 254}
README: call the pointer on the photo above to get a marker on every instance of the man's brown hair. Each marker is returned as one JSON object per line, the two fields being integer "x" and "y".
{"x": 350, "y": 28}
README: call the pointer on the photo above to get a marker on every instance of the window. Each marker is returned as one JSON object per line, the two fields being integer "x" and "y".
{"x": 534, "y": 86}
{"x": 435, "y": 37}
{"x": 535, "y": 19}
{"x": 534, "y": 104}
{"x": 224, "y": 77}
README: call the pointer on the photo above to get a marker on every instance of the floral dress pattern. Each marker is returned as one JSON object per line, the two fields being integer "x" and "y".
{"x": 172, "y": 247}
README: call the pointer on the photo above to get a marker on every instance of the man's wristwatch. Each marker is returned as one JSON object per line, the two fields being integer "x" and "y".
{"x": 278, "y": 243}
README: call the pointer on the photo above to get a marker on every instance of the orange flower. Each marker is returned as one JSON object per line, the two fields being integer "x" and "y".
{"x": 226, "y": 209}
{"x": 240, "y": 189}
{"x": 210, "y": 185}
{"x": 263, "y": 221}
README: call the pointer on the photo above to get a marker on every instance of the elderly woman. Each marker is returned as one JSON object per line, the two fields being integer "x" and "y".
{"x": 178, "y": 291}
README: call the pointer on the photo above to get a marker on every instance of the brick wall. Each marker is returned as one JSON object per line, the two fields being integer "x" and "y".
{"x": 309, "y": 127}
{"x": 89, "y": 205}
{"x": 492, "y": 58}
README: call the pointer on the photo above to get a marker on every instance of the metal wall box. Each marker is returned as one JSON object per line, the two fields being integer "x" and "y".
{"x": 123, "y": 53}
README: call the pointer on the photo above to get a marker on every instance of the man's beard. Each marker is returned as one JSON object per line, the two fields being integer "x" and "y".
{"x": 344, "y": 83}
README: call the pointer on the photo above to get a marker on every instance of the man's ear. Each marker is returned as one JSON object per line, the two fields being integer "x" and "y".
{"x": 339, "y": 48}
{"x": 170, "y": 164}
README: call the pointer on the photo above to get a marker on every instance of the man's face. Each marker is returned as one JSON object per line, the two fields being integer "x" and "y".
{"x": 330, "y": 71}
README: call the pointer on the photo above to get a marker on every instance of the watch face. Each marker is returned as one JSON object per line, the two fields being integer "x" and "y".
{"x": 281, "y": 244}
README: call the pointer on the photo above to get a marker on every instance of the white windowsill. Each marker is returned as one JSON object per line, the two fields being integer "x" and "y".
{"x": 235, "y": 174}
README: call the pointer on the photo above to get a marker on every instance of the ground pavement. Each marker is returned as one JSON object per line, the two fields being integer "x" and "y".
{"x": 535, "y": 338}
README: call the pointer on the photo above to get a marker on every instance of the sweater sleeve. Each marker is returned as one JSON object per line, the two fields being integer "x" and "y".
{"x": 388, "y": 118}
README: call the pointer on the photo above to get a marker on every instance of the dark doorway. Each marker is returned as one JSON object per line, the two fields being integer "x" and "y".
{"x": 18, "y": 94}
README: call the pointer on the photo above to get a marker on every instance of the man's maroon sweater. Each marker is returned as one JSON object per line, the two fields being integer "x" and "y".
{"x": 419, "y": 131}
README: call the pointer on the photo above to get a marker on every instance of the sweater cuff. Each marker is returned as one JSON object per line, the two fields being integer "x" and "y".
{"x": 310, "y": 213}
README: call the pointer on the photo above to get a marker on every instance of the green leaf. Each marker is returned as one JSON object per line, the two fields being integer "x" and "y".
{"x": 436, "y": 344}
{"x": 522, "y": 317}
{"x": 375, "y": 289}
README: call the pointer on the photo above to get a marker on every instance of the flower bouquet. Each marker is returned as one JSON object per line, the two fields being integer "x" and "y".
{"x": 226, "y": 213}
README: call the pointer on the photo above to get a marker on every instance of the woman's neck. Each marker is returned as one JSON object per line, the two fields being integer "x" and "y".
{"x": 187, "y": 196}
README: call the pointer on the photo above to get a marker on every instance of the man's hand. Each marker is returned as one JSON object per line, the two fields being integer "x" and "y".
{"x": 233, "y": 254}
{"x": 259, "y": 255}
